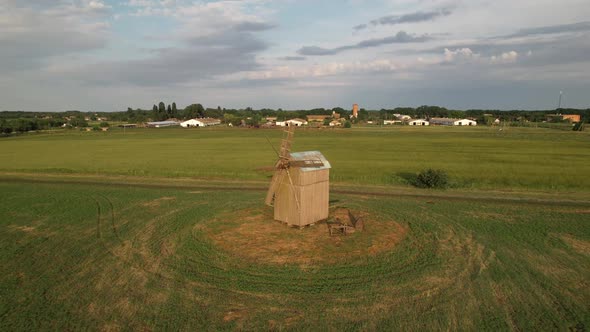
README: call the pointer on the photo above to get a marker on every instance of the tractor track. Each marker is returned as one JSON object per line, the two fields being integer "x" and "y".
{"x": 234, "y": 186}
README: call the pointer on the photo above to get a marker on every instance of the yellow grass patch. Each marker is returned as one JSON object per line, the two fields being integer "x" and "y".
{"x": 253, "y": 235}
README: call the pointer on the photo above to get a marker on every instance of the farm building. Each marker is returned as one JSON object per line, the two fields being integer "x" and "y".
{"x": 204, "y": 122}
{"x": 391, "y": 122}
{"x": 335, "y": 123}
{"x": 293, "y": 122}
{"x": 317, "y": 118}
{"x": 162, "y": 124}
{"x": 452, "y": 122}
{"x": 311, "y": 189}
{"x": 419, "y": 122}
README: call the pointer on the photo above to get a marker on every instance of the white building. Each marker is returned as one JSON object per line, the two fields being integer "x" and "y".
{"x": 205, "y": 122}
{"x": 335, "y": 123}
{"x": 162, "y": 124}
{"x": 292, "y": 122}
{"x": 391, "y": 122}
{"x": 419, "y": 122}
{"x": 452, "y": 122}
{"x": 465, "y": 122}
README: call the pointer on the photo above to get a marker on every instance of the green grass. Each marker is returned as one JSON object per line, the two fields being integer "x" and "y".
{"x": 118, "y": 231}
{"x": 98, "y": 257}
{"x": 479, "y": 158}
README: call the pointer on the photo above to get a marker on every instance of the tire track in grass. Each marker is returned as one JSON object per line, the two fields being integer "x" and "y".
{"x": 113, "y": 224}
{"x": 362, "y": 192}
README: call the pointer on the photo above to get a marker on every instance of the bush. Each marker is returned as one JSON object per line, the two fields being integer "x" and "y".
{"x": 347, "y": 124}
{"x": 104, "y": 124}
{"x": 432, "y": 178}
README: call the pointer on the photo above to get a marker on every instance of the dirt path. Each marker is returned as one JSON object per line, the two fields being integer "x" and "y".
{"x": 548, "y": 199}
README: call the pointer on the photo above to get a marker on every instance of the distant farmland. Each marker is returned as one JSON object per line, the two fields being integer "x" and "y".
{"x": 167, "y": 230}
{"x": 480, "y": 158}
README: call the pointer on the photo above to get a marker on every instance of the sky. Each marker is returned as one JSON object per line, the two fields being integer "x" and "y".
{"x": 103, "y": 55}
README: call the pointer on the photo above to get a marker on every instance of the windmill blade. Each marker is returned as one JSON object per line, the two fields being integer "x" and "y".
{"x": 273, "y": 147}
{"x": 293, "y": 190}
{"x": 287, "y": 142}
{"x": 277, "y": 178}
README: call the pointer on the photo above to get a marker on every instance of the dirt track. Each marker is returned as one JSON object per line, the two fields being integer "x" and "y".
{"x": 252, "y": 186}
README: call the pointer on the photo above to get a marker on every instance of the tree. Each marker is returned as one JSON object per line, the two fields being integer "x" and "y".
{"x": 194, "y": 111}
{"x": 169, "y": 111}
{"x": 363, "y": 115}
{"x": 174, "y": 110}
{"x": 5, "y": 127}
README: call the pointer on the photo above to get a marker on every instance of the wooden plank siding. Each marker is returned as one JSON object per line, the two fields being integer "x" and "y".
{"x": 311, "y": 189}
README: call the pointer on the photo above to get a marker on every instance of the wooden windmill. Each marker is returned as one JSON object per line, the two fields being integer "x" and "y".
{"x": 300, "y": 186}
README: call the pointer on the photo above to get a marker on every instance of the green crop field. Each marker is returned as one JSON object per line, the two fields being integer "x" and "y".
{"x": 484, "y": 157}
{"x": 167, "y": 230}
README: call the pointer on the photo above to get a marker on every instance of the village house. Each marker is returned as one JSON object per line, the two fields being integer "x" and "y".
{"x": 317, "y": 118}
{"x": 335, "y": 123}
{"x": 391, "y": 122}
{"x": 403, "y": 117}
{"x": 419, "y": 122}
{"x": 452, "y": 122}
{"x": 162, "y": 124}
{"x": 293, "y": 122}
{"x": 204, "y": 122}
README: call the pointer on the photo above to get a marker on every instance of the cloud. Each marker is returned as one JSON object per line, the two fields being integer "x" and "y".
{"x": 401, "y": 37}
{"x": 414, "y": 17}
{"x": 551, "y": 29}
{"x": 211, "y": 40}
{"x": 33, "y": 33}
{"x": 254, "y": 26}
{"x": 506, "y": 57}
{"x": 292, "y": 58}
{"x": 360, "y": 27}
{"x": 201, "y": 58}
{"x": 459, "y": 54}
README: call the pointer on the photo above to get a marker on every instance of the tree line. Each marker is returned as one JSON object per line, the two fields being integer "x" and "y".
{"x": 19, "y": 121}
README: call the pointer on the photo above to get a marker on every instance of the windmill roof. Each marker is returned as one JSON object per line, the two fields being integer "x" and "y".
{"x": 311, "y": 155}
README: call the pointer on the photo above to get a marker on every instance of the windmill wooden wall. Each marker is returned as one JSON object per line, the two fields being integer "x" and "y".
{"x": 311, "y": 187}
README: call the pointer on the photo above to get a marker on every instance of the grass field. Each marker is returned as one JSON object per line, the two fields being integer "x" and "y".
{"x": 78, "y": 257}
{"x": 166, "y": 230}
{"x": 480, "y": 158}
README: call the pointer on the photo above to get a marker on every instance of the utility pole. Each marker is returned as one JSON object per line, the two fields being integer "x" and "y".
{"x": 559, "y": 103}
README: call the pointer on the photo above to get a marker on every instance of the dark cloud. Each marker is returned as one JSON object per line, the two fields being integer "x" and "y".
{"x": 564, "y": 28}
{"x": 254, "y": 83}
{"x": 253, "y": 26}
{"x": 401, "y": 37}
{"x": 359, "y": 27}
{"x": 32, "y": 32}
{"x": 407, "y": 18}
{"x": 292, "y": 58}
{"x": 202, "y": 58}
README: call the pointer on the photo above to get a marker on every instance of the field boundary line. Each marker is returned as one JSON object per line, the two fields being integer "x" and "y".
{"x": 363, "y": 191}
